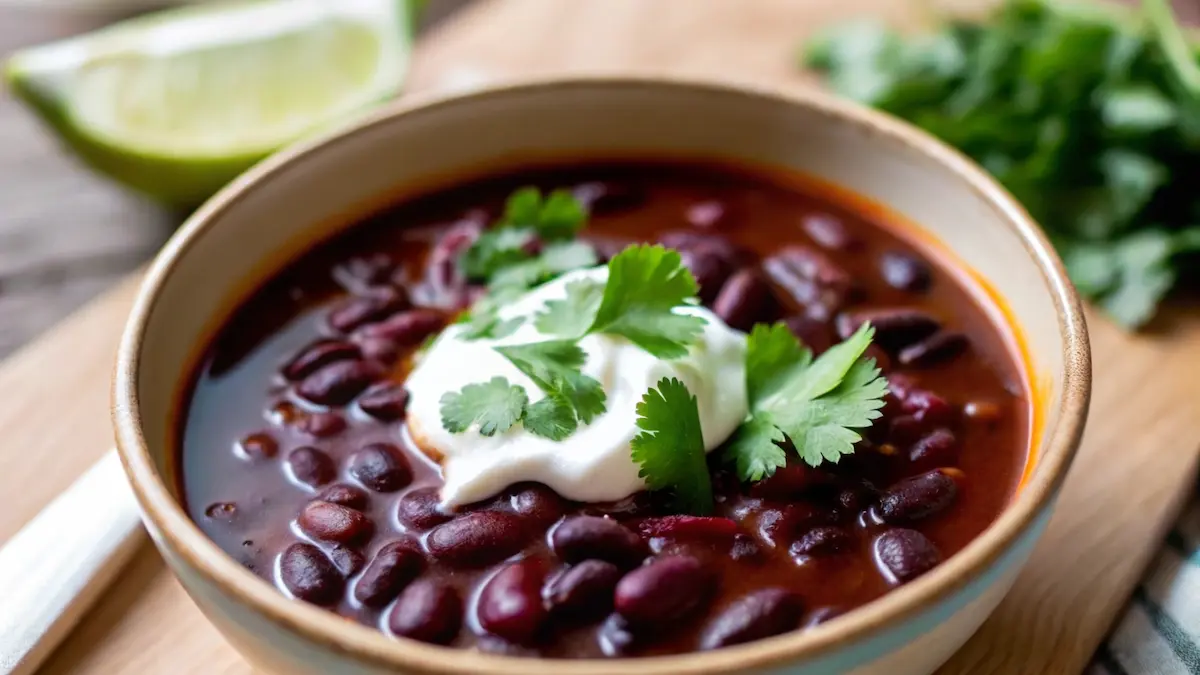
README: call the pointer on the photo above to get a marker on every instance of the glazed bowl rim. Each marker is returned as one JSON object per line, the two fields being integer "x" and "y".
{"x": 373, "y": 647}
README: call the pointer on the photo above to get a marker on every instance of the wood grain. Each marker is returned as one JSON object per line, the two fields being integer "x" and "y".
{"x": 66, "y": 234}
{"x": 1139, "y": 452}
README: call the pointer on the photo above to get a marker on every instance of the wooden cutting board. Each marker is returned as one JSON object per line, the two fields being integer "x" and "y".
{"x": 1136, "y": 466}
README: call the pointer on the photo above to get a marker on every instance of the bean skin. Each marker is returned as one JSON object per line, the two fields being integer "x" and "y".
{"x": 756, "y": 615}
{"x": 478, "y": 539}
{"x": 311, "y": 466}
{"x": 393, "y": 567}
{"x": 904, "y": 555}
{"x": 381, "y": 467}
{"x": 938, "y": 347}
{"x": 339, "y": 382}
{"x": 743, "y": 300}
{"x": 510, "y": 604}
{"x": 428, "y": 611}
{"x": 318, "y": 355}
{"x": 592, "y": 537}
{"x": 917, "y": 498}
{"x": 420, "y": 509}
{"x": 584, "y": 590}
{"x": 327, "y": 521}
{"x": 663, "y": 590}
{"x": 309, "y": 575}
{"x": 346, "y": 495}
{"x": 822, "y": 541}
{"x": 360, "y": 310}
{"x": 904, "y": 272}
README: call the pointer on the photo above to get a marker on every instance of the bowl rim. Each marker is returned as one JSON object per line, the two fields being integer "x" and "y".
{"x": 371, "y": 646}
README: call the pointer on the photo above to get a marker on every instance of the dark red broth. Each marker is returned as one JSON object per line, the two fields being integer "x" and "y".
{"x": 259, "y": 458}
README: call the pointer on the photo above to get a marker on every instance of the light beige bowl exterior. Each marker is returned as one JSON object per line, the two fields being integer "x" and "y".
{"x": 307, "y": 193}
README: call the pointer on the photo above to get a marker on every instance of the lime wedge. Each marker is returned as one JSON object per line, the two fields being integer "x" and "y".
{"x": 177, "y": 103}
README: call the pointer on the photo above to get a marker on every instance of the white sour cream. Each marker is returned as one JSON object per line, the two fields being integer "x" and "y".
{"x": 593, "y": 464}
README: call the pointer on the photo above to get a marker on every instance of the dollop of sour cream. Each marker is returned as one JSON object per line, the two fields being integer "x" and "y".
{"x": 594, "y": 464}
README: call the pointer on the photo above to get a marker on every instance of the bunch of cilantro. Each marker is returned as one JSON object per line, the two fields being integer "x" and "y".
{"x": 1090, "y": 117}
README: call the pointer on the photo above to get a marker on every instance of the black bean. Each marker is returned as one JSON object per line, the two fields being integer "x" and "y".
{"x": 478, "y": 539}
{"x": 393, "y": 567}
{"x": 427, "y": 610}
{"x": 346, "y": 495}
{"x": 822, "y": 541}
{"x": 363, "y": 309}
{"x": 385, "y": 402}
{"x": 584, "y": 590}
{"x": 420, "y": 509}
{"x": 895, "y": 327}
{"x": 903, "y": 271}
{"x": 663, "y": 590}
{"x": 510, "y": 604}
{"x": 744, "y": 299}
{"x": 309, "y": 575}
{"x": 381, "y": 467}
{"x": 933, "y": 349}
{"x": 310, "y": 466}
{"x": 829, "y": 232}
{"x": 904, "y": 554}
{"x": 582, "y": 538}
{"x": 257, "y": 446}
{"x": 917, "y": 498}
{"x": 327, "y": 521}
{"x": 756, "y": 615}
{"x": 339, "y": 382}
{"x": 318, "y": 355}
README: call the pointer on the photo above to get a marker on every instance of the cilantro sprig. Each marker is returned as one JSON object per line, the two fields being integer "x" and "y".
{"x": 532, "y": 241}
{"x": 813, "y": 406}
{"x": 645, "y": 286}
{"x": 670, "y": 448}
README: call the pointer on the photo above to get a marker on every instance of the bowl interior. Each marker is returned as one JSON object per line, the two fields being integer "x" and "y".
{"x": 244, "y": 235}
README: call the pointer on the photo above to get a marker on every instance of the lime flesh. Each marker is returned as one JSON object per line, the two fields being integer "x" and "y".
{"x": 177, "y": 103}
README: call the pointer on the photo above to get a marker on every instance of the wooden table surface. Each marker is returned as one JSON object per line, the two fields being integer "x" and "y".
{"x": 66, "y": 234}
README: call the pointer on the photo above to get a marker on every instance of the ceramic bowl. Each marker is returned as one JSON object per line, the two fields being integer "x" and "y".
{"x": 307, "y": 193}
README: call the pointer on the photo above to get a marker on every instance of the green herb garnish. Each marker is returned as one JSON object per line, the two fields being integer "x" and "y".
{"x": 494, "y": 405}
{"x": 811, "y": 405}
{"x": 506, "y": 254}
{"x": 670, "y": 447}
{"x": 645, "y": 285}
{"x": 1089, "y": 117}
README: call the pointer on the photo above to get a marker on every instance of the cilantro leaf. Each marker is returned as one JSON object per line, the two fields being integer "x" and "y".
{"x": 557, "y": 217}
{"x": 554, "y": 366}
{"x": 495, "y": 250}
{"x": 573, "y": 315}
{"x": 670, "y": 448}
{"x": 645, "y": 285}
{"x": 488, "y": 326}
{"x": 494, "y": 405}
{"x": 774, "y": 357}
{"x": 507, "y": 253}
{"x": 555, "y": 259}
{"x": 816, "y": 404}
{"x": 561, "y": 216}
{"x": 757, "y": 448}
{"x": 823, "y": 374}
{"x": 823, "y": 429}
{"x": 552, "y": 417}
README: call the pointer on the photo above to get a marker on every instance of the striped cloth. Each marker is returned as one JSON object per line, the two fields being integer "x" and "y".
{"x": 1159, "y": 634}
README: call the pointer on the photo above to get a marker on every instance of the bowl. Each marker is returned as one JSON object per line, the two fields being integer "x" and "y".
{"x": 307, "y": 193}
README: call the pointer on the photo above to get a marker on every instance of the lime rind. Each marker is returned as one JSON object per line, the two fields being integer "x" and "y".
{"x": 177, "y": 103}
